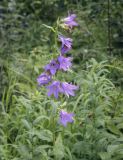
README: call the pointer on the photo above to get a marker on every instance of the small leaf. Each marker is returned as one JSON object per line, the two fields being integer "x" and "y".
{"x": 49, "y": 27}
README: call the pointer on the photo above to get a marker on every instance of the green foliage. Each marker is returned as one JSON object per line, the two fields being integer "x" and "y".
{"x": 96, "y": 133}
{"x": 29, "y": 128}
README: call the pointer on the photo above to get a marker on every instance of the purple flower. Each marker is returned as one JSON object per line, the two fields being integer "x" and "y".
{"x": 65, "y": 118}
{"x": 43, "y": 79}
{"x": 64, "y": 63}
{"x": 70, "y": 21}
{"x": 55, "y": 89}
{"x": 52, "y": 67}
{"x": 66, "y": 44}
{"x": 68, "y": 89}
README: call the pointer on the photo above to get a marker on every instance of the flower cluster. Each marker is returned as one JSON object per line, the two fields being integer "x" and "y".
{"x": 62, "y": 63}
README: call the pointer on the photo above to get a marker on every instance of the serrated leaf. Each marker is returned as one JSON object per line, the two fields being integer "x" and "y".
{"x": 104, "y": 156}
{"x": 41, "y": 149}
{"x": 113, "y": 128}
{"x": 58, "y": 149}
{"x": 38, "y": 119}
{"x": 26, "y": 124}
{"x": 45, "y": 135}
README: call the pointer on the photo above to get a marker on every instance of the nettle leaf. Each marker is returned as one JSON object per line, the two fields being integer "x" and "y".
{"x": 58, "y": 149}
{"x": 113, "y": 129}
{"x": 41, "y": 150}
{"x": 81, "y": 147}
{"x": 44, "y": 135}
{"x": 26, "y": 124}
{"x": 24, "y": 152}
{"x": 120, "y": 126}
{"x": 69, "y": 153}
{"x": 116, "y": 151}
{"x": 40, "y": 118}
{"x": 54, "y": 105}
{"x": 104, "y": 156}
{"x": 113, "y": 149}
{"x": 38, "y": 150}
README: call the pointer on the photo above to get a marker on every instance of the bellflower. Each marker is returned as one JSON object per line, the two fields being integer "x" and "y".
{"x": 55, "y": 89}
{"x": 68, "y": 89}
{"x": 70, "y": 21}
{"x": 66, "y": 44}
{"x": 43, "y": 79}
{"x": 52, "y": 67}
{"x": 65, "y": 118}
{"x": 64, "y": 63}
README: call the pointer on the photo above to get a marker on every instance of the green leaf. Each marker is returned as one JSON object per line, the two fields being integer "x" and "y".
{"x": 24, "y": 152}
{"x": 113, "y": 149}
{"x": 45, "y": 135}
{"x": 49, "y": 27}
{"x": 26, "y": 124}
{"x": 41, "y": 149}
{"x": 104, "y": 156}
{"x": 40, "y": 118}
{"x": 113, "y": 128}
{"x": 58, "y": 149}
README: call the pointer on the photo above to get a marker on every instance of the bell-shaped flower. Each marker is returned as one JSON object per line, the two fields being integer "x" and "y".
{"x": 65, "y": 118}
{"x": 43, "y": 79}
{"x": 66, "y": 44}
{"x": 54, "y": 89}
{"x": 68, "y": 89}
{"x": 64, "y": 63}
{"x": 70, "y": 21}
{"x": 52, "y": 67}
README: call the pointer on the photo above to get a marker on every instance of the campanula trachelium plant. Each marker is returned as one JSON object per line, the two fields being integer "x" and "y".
{"x": 63, "y": 63}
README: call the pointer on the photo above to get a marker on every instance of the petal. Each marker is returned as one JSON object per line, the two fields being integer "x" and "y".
{"x": 73, "y": 16}
{"x": 63, "y": 122}
{"x": 65, "y": 49}
{"x": 49, "y": 93}
{"x": 56, "y": 93}
{"x": 53, "y": 71}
